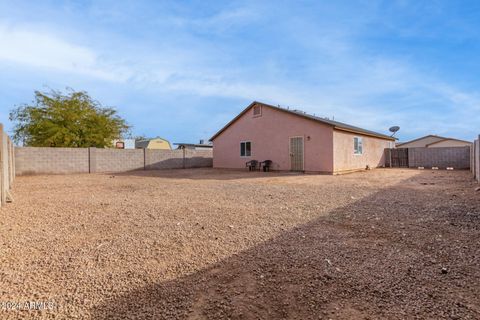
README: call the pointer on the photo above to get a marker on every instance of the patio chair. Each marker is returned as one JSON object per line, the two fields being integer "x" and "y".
{"x": 251, "y": 165}
{"x": 266, "y": 165}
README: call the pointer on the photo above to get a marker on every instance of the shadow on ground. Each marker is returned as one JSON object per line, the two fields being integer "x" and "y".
{"x": 380, "y": 257}
{"x": 206, "y": 174}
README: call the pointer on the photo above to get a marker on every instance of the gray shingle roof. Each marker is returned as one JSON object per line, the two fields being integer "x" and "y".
{"x": 335, "y": 124}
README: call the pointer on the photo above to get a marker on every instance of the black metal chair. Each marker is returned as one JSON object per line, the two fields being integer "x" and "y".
{"x": 266, "y": 165}
{"x": 251, "y": 165}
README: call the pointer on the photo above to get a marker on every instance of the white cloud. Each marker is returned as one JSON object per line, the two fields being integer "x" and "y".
{"x": 420, "y": 104}
{"x": 28, "y": 47}
{"x": 341, "y": 77}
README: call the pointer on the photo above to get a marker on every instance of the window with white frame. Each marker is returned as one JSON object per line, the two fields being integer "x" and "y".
{"x": 245, "y": 149}
{"x": 357, "y": 145}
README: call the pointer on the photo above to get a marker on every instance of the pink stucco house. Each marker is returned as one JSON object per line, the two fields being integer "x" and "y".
{"x": 296, "y": 141}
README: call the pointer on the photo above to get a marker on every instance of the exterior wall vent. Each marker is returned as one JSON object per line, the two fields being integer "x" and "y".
{"x": 257, "y": 111}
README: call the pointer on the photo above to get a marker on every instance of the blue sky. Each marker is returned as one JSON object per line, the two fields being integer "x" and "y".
{"x": 182, "y": 69}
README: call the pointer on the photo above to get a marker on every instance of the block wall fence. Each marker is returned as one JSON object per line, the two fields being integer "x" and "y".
{"x": 456, "y": 157}
{"x": 7, "y": 166}
{"x": 34, "y": 160}
{"x": 31, "y": 160}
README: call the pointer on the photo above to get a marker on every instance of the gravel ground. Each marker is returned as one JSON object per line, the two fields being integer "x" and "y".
{"x": 214, "y": 244}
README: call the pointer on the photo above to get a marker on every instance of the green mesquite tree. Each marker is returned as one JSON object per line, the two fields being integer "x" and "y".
{"x": 72, "y": 119}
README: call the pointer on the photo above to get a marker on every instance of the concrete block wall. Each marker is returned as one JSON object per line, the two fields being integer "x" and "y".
{"x": 30, "y": 160}
{"x": 176, "y": 159}
{"x": 117, "y": 160}
{"x": 163, "y": 159}
{"x": 198, "y": 158}
{"x": 456, "y": 157}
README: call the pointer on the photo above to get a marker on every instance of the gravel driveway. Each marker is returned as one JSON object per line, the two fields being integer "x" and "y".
{"x": 218, "y": 244}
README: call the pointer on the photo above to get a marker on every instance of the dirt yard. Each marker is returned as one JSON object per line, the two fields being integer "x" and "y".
{"x": 213, "y": 244}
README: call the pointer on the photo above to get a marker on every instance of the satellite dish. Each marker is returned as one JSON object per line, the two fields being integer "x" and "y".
{"x": 394, "y": 130}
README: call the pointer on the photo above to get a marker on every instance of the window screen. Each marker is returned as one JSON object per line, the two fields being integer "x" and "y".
{"x": 245, "y": 149}
{"x": 357, "y": 145}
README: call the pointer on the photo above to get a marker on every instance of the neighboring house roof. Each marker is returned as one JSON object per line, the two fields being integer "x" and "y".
{"x": 335, "y": 124}
{"x": 421, "y": 138}
{"x": 194, "y": 145}
{"x": 440, "y": 139}
{"x": 142, "y": 144}
{"x": 449, "y": 139}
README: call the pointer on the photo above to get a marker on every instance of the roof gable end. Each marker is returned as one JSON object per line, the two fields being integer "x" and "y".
{"x": 449, "y": 139}
{"x": 335, "y": 124}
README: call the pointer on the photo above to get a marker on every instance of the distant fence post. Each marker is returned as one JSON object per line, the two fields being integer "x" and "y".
{"x": 11, "y": 162}
{"x": 390, "y": 157}
{"x": 92, "y": 160}
{"x": 184, "y": 160}
{"x": 472, "y": 159}
{"x": 477, "y": 159}
{"x": 144, "y": 158}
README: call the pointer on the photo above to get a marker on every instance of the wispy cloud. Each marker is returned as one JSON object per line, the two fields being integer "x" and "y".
{"x": 328, "y": 59}
{"x": 26, "y": 46}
